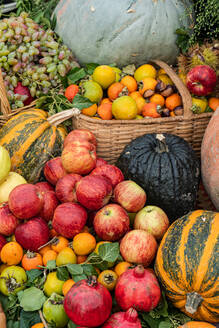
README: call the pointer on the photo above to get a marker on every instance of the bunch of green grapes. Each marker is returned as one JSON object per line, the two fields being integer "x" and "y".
{"x": 32, "y": 56}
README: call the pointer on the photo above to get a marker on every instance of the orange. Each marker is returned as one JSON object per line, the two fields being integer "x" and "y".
{"x": 81, "y": 259}
{"x": 84, "y": 243}
{"x": 105, "y": 111}
{"x": 38, "y": 325}
{"x": 148, "y": 83}
{"x": 11, "y": 253}
{"x": 49, "y": 256}
{"x": 173, "y": 101}
{"x": 140, "y": 101}
{"x": 157, "y": 99}
{"x": 31, "y": 261}
{"x": 90, "y": 111}
{"x": 121, "y": 267}
{"x": 135, "y": 95}
{"x": 105, "y": 100}
{"x": 213, "y": 103}
{"x": 59, "y": 243}
{"x": 44, "y": 249}
{"x": 151, "y": 110}
{"x": 67, "y": 286}
{"x": 124, "y": 108}
{"x": 130, "y": 83}
{"x": 143, "y": 71}
{"x": 116, "y": 90}
{"x": 71, "y": 91}
{"x": 66, "y": 256}
{"x": 104, "y": 75}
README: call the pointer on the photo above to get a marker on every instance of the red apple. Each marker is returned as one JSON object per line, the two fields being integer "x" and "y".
{"x": 8, "y": 222}
{"x": 129, "y": 195}
{"x": 93, "y": 191}
{"x": 152, "y": 219}
{"x": 201, "y": 80}
{"x": 32, "y": 234}
{"x": 54, "y": 170}
{"x": 111, "y": 222}
{"x": 100, "y": 161}
{"x": 80, "y": 134}
{"x": 79, "y": 157}
{"x": 44, "y": 186}
{"x": 66, "y": 188}
{"x": 112, "y": 172}
{"x": 69, "y": 219}
{"x": 49, "y": 205}
{"x": 139, "y": 247}
{"x": 25, "y": 201}
{"x": 3, "y": 241}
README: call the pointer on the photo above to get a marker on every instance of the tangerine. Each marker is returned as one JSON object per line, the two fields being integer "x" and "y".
{"x": 50, "y": 255}
{"x": 173, "y": 101}
{"x": 130, "y": 83}
{"x": 84, "y": 243}
{"x": 90, "y": 111}
{"x": 157, "y": 99}
{"x": 213, "y": 103}
{"x": 105, "y": 111}
{"x": 115, "y": 90}
{"x": 121, "y": 267}
{"x": 11, "y": 253}
{"x": 67, "y": 286}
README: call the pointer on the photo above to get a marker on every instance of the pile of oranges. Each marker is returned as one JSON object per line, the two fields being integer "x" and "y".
{"x": 147, "y": 93}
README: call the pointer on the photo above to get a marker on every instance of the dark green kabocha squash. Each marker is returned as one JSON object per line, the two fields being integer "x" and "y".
{"x": 167, "y": 168}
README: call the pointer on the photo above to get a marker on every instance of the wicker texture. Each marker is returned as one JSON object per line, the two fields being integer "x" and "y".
{"x": 113, "y": 135}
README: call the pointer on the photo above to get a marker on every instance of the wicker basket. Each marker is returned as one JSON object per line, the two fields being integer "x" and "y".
{"x": 113, "y": 135}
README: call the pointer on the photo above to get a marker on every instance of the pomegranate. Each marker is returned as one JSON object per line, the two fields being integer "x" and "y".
{"x": 128, "y": 319}
{"x": 138, "y": 288}
{"x": 32, "y": 234}
{"x": 24, "y": 91}
{"x": 88, "y": 303}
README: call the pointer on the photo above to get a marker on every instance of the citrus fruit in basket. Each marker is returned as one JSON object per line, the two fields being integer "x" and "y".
{"x": 213, "y": 103}
{"x": 92, "y": 90}
{"x": 104, "y": 75}
{"x": 143, "y": 71}
{"x": 90, "y": 111}
{"x": 130, "y": 83}
{"x": 124, "y": 108}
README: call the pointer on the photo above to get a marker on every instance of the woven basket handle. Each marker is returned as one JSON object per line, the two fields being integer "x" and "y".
{"x": 183, "y": 91}
{"x": 5, "y": 106}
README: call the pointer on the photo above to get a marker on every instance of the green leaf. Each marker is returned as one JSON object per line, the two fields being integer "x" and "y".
{"x": 62, "y": 273}
{"x": 72, "y": 324}
{"x": 33, "y": 274}
{"x": 152, "y": 322}
{"x": 79, "y": 277}
{"x": 75, "y": 75}
{"x": 51, "y": 265}
{"x": 109, "y": 252}
{"x": 75, "y": 269}
{"x": 32, "y": 299}
{"x": 165, "y": 324}
{"x": 90, "y": 68}
{"x": 81, "y": 102}
{"x": 88, "y": 269}
{"x": 28, "y": 319}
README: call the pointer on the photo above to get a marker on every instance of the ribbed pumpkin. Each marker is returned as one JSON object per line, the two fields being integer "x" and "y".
{"x": 166, "y": 167}
{"x": 197, "y": 324}
{"x": 187, "y": 265}
{"x": 32, "y": 139}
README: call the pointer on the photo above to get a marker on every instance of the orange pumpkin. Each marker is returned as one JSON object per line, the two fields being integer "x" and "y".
{"x": 197, "y": 324}
{"x": 210, "y": 159}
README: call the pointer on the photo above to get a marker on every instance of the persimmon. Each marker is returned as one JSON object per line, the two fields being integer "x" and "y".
{"x": 115, "y": 90}
{"x": 31, "y": 260}
{"x": 105, "y": 111}
{"x": 44, "y": 249}
{"x": 105, "y": 100}
{"x": 71, "y": 91}
{"x": 173, "y": 101}
{"x": 213, "y": 103}
{"x": 67, "y": 286}
{"x": 50, "y": 255}
{"x": 90, "y": 111}
{"x": 130, "y": 83}
{"x": 147, "y": 83}
{"x": 59, "y": 243}
{"x": 121, "y": 267}
{"x": 140, "y": 101}
{"x": 134, "y": 95}
{"x": 157, "y": 99}
{"x": 151, "y": 109}
{"x": 11, "y": 253}
{"x": 81, "y": 259}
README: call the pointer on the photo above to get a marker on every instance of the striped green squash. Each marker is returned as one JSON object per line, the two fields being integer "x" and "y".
{"x": 31, "y": 140}
{"x": 187, "y": 265}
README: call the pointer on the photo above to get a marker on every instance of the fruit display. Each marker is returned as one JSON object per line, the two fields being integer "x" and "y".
{"x": 31, "y": 59}
{"x": 186, "y": 269}
{"x": 166, "y": 167}
{"x": 209, "y": 159}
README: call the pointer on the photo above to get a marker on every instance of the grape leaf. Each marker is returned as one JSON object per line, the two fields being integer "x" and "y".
{"x": 32, "y": 299}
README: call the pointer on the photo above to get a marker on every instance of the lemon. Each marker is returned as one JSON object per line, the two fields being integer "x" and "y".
{"x": 66, "y": 256}
{"x": 143, "y": 71}
{"x": 53, "y": 284}
{"x": 124, "y": 108}
{"x": 104, "y": 75}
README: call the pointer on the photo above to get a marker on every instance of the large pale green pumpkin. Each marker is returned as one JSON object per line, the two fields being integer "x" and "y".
{"x": 121, "y": 31}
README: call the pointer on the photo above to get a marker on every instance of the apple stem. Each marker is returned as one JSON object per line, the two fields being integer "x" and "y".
{"x": 43, "y": 320}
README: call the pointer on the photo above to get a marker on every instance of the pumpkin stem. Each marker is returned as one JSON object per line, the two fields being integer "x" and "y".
{"x": 162, "y": 146}
{"x": 193, "y": 300}
{"x": 63, "y": 116}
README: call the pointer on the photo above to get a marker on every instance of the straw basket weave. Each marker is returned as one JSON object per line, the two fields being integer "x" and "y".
{"x": 113, "y": 135}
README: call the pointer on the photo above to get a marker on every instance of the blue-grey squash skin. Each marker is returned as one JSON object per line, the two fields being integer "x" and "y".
{"x": 170, "y": 178}
{"x": 121, "y": 31}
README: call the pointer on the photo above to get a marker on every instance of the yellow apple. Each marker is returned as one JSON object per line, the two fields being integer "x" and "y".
{"x": 10, "y": 182}
{"x": 5, "y": 163}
